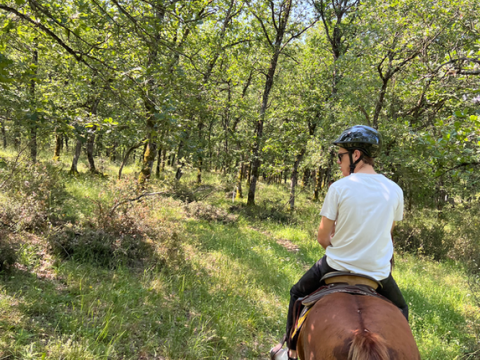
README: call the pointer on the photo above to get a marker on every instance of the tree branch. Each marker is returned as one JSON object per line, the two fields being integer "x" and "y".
{"x": 464, "y": 164}
{"x": 50, "y": 33}
{"x": 272, "y": 7}
{"x": 263, "y": 27}
{"x": 299, "y": 34}
{"x": 135, "y": 199}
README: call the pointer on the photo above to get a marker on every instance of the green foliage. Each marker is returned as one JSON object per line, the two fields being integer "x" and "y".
{"x": 159, "y": 277}
{"x": 189, "y": 77}
{"x": 422, "y": 233}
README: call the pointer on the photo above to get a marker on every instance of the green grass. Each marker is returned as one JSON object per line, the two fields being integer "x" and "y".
{"x": 226, "y": 299}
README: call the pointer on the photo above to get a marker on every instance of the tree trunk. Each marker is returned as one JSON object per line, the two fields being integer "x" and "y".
{"x": 379, "y": 104}
{"x": 148, "y": 159}
{"x": 58, "y": 147}
{"x": 76, "y": 156}
{"x": 99, "y": 147}
{"x": 17, "y": 140}
{"x": 441, "y": 196}
{"x": 66, "y": 144}
{"x": 125, "y": 159}
{"x": 159, "y": 160}
{"x": 199, "y": 171}
{"x": 33, "y": 125}
{"x": 113, "y": 156}
{"x": 89, "y": 148}
{"x": 143, "y": 152}
{"x": 200, "y": 156}
{"x": 306, "y": 177}
{"x": 4, "y": 134}
{"x": 180, "y": 163}
{"x": 179, "y": 173}
{"x": 293, "y": 183}
{"x": 257, "y": 146}
{"x": 164, "y": 155}
{"x": 239, "y": 194}
{"x": 318, "y": 183}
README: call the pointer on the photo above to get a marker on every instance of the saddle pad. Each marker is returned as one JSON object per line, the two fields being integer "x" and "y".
{"x": 301, "y": 320}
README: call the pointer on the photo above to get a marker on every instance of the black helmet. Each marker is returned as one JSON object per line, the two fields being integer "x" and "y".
{"x": 363, "y": 138}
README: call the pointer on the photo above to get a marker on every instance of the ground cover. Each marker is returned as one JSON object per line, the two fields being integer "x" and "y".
{"x": 221, "y": 294}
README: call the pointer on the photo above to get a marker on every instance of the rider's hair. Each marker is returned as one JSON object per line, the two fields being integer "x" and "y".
{"x": 368, "y": 160}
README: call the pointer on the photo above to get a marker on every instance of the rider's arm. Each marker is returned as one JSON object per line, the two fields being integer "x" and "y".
{"x": 325, "y": 231}
{"x": 391, "y": 231}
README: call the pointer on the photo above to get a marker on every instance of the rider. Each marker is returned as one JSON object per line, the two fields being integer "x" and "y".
{"x": 358, "y": 216}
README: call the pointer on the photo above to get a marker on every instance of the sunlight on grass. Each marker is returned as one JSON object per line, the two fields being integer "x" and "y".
{"x": 226, "y": 299}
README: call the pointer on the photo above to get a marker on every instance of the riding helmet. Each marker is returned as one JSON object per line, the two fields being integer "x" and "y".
{"x": 363, "y": 138}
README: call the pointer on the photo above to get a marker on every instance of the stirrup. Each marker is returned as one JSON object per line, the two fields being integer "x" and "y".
{"x": 278, "y": 353}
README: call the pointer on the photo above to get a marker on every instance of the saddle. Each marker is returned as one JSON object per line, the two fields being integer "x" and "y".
{"x": 335, "y": 282}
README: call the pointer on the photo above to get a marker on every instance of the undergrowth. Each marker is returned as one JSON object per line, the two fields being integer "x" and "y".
{"x": 93, "y": 269}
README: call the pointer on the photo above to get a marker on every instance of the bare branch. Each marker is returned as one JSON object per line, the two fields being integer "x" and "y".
{"x": 104, "y": 12}
{"x": 297, "y": 35}
{"x": 272, "y": 7}
{"x": 235, "y": 43}
{"x": 364, "y": 112}
{"x": 135, "y": 199}
{"x": 464, "y": 164}
{"x": 263, "y": 27}
{"x": 324, "y": 20}
{"x": 379, "y": 67}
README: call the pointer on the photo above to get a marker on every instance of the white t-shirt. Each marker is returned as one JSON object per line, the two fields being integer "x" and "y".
{"x": 364, "y": 207}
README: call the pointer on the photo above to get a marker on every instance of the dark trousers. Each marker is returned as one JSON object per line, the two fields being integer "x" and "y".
{"x": 311, "y": 282}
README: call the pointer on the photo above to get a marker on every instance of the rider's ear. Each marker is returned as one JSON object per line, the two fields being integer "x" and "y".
{"x": 357, "y": 154}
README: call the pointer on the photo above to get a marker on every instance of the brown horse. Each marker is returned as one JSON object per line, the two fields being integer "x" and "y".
{"x": 352, "y": 327}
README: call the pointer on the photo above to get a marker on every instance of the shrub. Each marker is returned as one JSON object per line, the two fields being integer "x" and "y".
{"x": 35, "y": 194}
{"x": 204, "y": 211}
{"x": 181, "y": 191}
{"x": 112, "y": 235}
{"x": 421, "y": 235}
{"x": 8, "y": 255}
{"x": 24, "y": 215}
{"x": 97, "y": 246}
{"x": 465, "y": 225}
{"x": 271, "y": 210}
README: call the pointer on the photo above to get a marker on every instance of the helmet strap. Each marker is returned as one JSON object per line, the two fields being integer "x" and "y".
{"x": 354, "y": 164}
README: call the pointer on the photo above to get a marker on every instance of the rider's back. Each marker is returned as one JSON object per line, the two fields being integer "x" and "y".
{"x": 364, "y": 207}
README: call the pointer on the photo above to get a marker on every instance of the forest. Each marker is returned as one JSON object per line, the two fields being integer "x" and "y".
{"x": 156, "y": 153}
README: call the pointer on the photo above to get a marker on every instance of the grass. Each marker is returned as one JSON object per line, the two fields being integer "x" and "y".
{"x": 226, "y": 299}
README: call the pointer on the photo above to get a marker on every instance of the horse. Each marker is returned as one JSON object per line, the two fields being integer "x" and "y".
{"x": 344, "y": 326}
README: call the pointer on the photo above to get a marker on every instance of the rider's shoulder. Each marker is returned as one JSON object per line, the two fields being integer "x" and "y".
{"x": 392, "y": 183}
